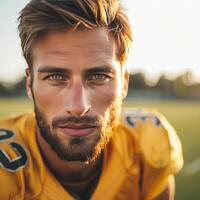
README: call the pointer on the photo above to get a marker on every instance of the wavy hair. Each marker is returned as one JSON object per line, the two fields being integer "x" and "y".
{"x": 40, "y": 16}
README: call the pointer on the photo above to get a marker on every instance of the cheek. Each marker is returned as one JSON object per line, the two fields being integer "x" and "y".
{"x": 102, "y": 98}
{"x": 47, "y": 100}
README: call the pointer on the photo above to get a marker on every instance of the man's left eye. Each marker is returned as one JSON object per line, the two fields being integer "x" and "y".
{"x": 98, "y": 77}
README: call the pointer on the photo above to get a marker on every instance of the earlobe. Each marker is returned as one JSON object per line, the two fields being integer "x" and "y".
{"x": 28, "y": 83}
{"x": 126, "y": 82}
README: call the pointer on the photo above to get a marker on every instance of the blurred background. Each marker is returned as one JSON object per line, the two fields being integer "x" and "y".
{"x": 164, "y": 66}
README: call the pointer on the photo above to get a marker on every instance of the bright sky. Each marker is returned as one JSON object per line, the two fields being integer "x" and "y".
{"x": 166, "y": 37}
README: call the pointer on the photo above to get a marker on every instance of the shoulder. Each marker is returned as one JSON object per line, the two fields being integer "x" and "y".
{"x": 16, "y": 123}
{"x": 15, "y": 119}
{"x": 133, "y": 117}
{"x": 158, "y": 141}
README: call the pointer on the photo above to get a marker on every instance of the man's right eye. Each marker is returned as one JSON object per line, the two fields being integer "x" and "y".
{"x": 56, "y": 77}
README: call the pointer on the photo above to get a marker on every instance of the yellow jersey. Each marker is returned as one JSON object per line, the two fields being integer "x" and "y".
{"x": 142, "y": 156}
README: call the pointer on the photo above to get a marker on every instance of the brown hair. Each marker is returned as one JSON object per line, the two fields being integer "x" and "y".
{"x": 40, "y": 16}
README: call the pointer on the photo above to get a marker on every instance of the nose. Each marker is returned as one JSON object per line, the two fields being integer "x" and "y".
{"x": 78, "y": 104}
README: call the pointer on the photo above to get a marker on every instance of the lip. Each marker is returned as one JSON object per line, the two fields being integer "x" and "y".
{"x": 78, "y": 131}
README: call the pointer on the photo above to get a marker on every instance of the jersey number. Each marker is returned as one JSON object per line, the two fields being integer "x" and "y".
{"x": 19, "y": 161}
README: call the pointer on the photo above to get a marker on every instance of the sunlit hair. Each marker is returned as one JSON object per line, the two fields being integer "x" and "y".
{"x": 40, "y": 16}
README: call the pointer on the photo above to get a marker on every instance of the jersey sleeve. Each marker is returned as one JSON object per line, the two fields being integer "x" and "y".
{"x": 160, "y": 147}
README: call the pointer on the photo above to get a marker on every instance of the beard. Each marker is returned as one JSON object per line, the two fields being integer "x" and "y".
{"x": 83, "y": 148}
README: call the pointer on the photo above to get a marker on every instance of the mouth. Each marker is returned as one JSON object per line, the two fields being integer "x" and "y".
{"x": 78, "y": 130}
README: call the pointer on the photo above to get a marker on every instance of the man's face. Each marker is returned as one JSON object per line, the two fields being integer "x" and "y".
{"x": 77, "y": 88}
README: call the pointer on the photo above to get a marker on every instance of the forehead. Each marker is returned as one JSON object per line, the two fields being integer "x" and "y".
{"x": 75, "y": 47}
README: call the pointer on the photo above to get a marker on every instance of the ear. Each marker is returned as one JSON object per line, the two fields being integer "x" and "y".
{"x": 126, "y": 82}
{"x": 29, "y": 83}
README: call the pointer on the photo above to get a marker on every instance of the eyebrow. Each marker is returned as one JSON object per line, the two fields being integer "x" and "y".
{"x": 62, "y": 70}
{"x": 106, "y": 69}
{"x": 54, "y": 69}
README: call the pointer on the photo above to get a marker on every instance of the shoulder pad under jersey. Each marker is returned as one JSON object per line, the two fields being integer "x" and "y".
{"x": 159, "y": 143}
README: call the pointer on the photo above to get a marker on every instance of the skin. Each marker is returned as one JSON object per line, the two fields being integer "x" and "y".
{"x": 75, "y": 74}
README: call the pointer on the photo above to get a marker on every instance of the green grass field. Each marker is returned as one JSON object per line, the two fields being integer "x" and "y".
{"x": 183, "y": 115}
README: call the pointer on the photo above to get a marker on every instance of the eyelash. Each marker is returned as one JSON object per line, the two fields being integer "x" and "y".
{"x": 50, "y": 77}
{"x": 98, "y": 77}
{"x": 93, "y": 78}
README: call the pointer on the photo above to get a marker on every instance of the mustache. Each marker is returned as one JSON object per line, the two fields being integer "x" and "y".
{"x": 73, "y": 120}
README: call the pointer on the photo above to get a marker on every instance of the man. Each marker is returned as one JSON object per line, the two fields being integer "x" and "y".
{"x": 77, "y": 144}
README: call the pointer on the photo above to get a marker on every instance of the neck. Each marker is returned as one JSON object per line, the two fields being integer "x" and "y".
{"x": 65, "y": 171}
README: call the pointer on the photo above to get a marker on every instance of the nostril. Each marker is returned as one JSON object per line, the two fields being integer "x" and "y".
{"x": 77, "y": 111}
